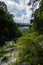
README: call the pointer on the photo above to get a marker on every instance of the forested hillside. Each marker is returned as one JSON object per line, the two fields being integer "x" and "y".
{"x": 8, "y": 28}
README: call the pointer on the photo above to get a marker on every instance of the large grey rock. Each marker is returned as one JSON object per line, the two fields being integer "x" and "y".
{"x": 24, "y": 63}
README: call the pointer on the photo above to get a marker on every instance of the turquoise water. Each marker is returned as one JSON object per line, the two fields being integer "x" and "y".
{"x": 23, "y": 28}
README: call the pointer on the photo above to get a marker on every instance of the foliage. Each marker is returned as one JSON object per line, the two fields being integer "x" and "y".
{"x": 3, "y": 5}
{"x": 29, "y": 47}
{"x": 38, "y": 18}
{"x": 33, "y": 4}
{"x": 8, "y": 28}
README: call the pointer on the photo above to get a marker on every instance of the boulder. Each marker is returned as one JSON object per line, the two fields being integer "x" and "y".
{"x": 24, "y": 63}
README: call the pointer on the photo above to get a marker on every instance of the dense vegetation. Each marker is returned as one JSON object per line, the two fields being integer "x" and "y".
{"x": 29, "y": 47}
{"x": 38, "y": 17}
{"x": 8, "y": 29}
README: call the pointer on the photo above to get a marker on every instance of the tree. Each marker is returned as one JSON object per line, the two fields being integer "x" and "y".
{"x": 3, "y": 5}
{"x": 38, "y": 17}
{"x": 8, "y": 28}
{"x": 34, "y": 4}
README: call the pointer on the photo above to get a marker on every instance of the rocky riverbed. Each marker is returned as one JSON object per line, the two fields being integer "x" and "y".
{"x": 12, "y": 55}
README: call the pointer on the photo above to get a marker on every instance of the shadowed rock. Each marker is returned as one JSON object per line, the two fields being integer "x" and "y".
{"x": 24, "y": 63}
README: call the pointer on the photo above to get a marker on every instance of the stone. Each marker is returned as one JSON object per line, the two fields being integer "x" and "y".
{"x": 24, "y": 63}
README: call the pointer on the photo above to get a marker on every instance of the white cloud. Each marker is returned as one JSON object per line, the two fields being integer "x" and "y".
{"x": 19, "y": 9}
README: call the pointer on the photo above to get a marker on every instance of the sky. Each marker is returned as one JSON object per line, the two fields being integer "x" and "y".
{"x": 19, "y": 9}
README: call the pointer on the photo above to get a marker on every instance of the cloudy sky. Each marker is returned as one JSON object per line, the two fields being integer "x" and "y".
{"x": 19, "y": 9}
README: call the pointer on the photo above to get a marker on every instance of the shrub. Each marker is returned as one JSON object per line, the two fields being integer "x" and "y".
{"x": 30, "y": 48}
